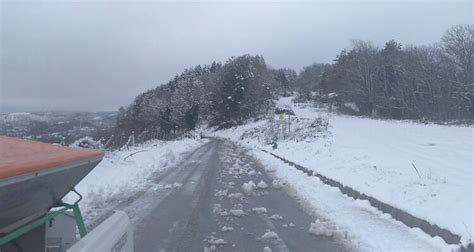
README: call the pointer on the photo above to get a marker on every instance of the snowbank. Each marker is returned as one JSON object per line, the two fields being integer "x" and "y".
{"x": 319, "y": 228}
{"x": 367, "y": 228}
{"x": 87, "y": 142}
{"x": 121, "y": 173}
{"x": 426, "y": 170}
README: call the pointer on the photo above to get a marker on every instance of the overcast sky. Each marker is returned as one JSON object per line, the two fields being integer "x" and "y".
{"x": 97, "y": 56}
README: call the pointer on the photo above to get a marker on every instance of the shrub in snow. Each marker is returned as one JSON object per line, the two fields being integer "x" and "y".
{"x": 349, "y": 108}
{"x": 265, "y": 133}
{"x": 249, "y": 187}
{"x": 262, "y": 184}
{"x": 86, "y": 143}
{"x": 190, "y": 135}
{"x": 300, "y": 129}
{"x": 307, "y": 129}
{"x": 286, "y": 110}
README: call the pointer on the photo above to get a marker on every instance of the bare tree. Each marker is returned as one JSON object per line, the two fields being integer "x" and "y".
{"x": 459, "y": 45}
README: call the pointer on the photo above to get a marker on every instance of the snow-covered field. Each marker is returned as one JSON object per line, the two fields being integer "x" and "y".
{"x": 125, "y": 172}
{"x": 426, "y": 170}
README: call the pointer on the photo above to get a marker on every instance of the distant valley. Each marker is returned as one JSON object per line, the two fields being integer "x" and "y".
{"x": 63, "y": 127}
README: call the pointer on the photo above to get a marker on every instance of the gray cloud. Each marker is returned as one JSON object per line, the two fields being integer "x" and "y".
{"x": 94, "y": 56}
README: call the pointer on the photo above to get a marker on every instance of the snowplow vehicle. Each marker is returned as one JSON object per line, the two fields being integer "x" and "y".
{"x": 34, "y": 178}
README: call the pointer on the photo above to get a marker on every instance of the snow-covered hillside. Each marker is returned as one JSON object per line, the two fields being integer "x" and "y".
{"x": 57, "y": 126}
{"x": 21, "y": 118}
{"x": 125, "y": 172}
{"x": 426, "y": 170}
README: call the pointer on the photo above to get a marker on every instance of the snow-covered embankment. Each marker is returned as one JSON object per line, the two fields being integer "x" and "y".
{"x": 425, "y": 170}
{"x": 125, "y": 172}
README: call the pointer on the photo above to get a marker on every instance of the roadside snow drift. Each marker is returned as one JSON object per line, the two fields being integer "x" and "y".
{"x": 122, "y": 173}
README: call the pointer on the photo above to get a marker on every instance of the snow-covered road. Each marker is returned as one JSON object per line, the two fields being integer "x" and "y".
{"x": 203, "y": 205}
{"x": 219, "y": 198}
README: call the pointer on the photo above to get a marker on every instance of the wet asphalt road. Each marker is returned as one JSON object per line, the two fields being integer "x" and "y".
{"x": 200, "y": 205}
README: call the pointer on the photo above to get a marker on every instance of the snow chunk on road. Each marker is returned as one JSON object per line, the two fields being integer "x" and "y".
{"x": 227, "y": 229}
{"x": 269, "y": 235}
{"x": 289, "y": 225}
{"x": 259, "y": 210}
{"x": 237, "y": 212}
{"x": 277, "y": 184}
{"x": 235, "y": 196}
{"x": 249, "y": 187}
{"x": 224, "y": 213}
{"x": 270, "y": 168}
{"x": 217, "y": 209}
{"x": 167, "y": 186}
{"x": 321, "y": 228}
{"x": 276, "y": 217}
{"x": 215, "y": 241}
{"x": 207, "y": 249}
{"x": 262, "y": 184}
{"x": 221, "y": 193}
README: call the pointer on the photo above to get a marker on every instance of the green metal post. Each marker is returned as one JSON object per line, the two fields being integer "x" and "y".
{"x": 77, "y": 214}
{"x": 30, "y": 226}
{"x": 42, "y": 220}
{"x": 79, "y": 220}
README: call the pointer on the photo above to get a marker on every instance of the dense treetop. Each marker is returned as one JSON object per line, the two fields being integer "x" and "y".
{"x": 433, "y": 82}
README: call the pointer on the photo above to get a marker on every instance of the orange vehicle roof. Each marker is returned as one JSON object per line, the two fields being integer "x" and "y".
{"x": 18, "y": 156}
